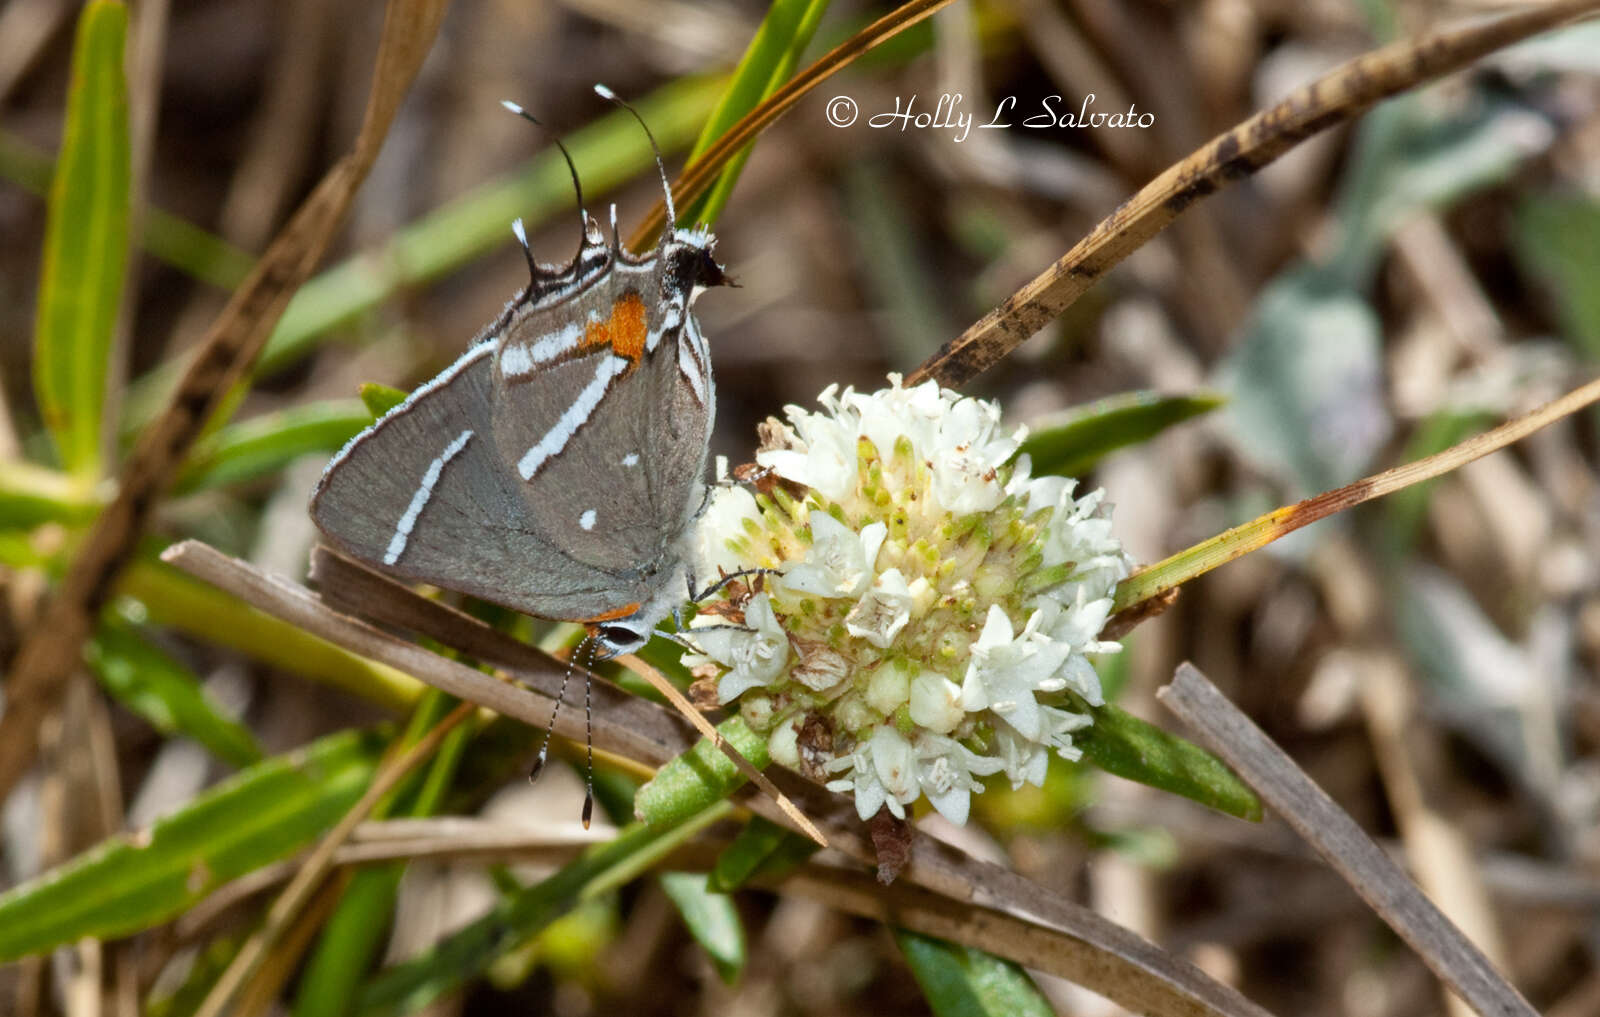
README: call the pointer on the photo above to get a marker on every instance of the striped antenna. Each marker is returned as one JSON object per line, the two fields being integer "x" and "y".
{"x": 661, "y": 166}
{"x": 577, "y": 186}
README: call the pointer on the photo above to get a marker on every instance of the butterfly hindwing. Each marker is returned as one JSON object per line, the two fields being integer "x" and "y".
{"x": 424, "y": 494}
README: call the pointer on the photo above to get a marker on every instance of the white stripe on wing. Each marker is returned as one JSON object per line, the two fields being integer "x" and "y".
{"x": 572, "y": 418}
{"x": 419, "y": 500}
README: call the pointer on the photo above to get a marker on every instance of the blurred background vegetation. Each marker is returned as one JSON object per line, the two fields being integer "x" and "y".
{"x": 1378, "y": 294}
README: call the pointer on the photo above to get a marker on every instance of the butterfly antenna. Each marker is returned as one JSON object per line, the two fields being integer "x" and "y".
{"x": 661, "y": 166}
{"x": 588, "y": 739}
{"x": 527, "y": 252}
{"x": 555, "y": 711}
{"x": 577, "y": 187}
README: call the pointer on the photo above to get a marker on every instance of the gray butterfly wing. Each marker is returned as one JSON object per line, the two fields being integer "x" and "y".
{"x": 424, "y": 494}
{"x": 608, "y": 439}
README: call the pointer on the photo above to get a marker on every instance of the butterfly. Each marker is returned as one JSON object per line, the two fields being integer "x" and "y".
{"x": 558, "y": 465}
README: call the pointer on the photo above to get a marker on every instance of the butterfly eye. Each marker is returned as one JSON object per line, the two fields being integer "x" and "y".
{"x": 619, "y": 639}
{"x": 710, "y": 273}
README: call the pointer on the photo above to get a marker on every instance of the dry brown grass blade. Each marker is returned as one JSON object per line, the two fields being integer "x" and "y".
{"x": 1002, "y": 934}
{"x": 1170, "y": 573}
{"x": 699, "y": 175}
{"x": 1331, "y": 100}
{"x": 1131, "y": 968}
{"x": 854, "y": 892}
{"x": 1329, "y": 829}
{"x": 625, "y": 725}
{"x": 232, "y": 344}
{"x": 346, "y": 582}
{"x": 298, "y": 893}
{"x": 1132, "y": 971}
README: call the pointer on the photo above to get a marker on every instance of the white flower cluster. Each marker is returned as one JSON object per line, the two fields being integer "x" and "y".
{"x": 930, "y": 608}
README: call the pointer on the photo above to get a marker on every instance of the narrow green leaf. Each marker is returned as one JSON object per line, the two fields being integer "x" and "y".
{"x": 959, "y": 981}
{"x": 748, "y": 85}
{"x": 712, "y": 920}
{"x": 182, "y": 602}
{"x": 1071, "y": 444}
{"x": 164, "y": 692}
{"x": 129, "y": 883}
{"x": 359, "y": 927}
{"x": 753, "y": 846}
{"x": 768, "y": 62}
{"x": 1120, "y": 743}
{"x": 349, "y": 942}
{"x": 31, "y": 494}
{"x": 18, "y": 551}
{"x": 263, "y": 445}
{"x": 380, "y": 399}
{"x": 791, "y": 853}
{"x": 85, "y": 244}
{"x": 699, "y": 777}
{"x": 1558, "y": 243}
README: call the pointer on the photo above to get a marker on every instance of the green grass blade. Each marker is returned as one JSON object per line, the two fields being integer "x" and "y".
{"x": 380, "y": 399}
{"x": 748, "y": 86}
{"x": 712, "y": 920}
{"x": 177, "y": 601}
{"x": 265, "y": 444}
{"x": 164, "y": 692}
{"x": 1122, "y": 744}
{"x": 263, "y": 814}
{"x": 181, "y": 602}
{"x": 1071, "y": 444}
{"x": 30, "y": 495}
{"x": 85, "y": 244}
{"x": 356, "y": 933}
{"x": 349, "y": 942}
{"x": 753, "y": 846}
{"x": 768, "y": 62}
{"x": 959, "y": 981}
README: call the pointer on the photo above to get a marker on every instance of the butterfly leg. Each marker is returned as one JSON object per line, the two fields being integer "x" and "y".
{"x": 720, "y": 584}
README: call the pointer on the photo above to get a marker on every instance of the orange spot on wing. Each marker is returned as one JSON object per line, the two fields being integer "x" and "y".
{"x": 624, "y": 330}
{"x": 621, "y": 612}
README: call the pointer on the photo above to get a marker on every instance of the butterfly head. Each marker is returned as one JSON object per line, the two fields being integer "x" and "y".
{"x": 691, "y": 263}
